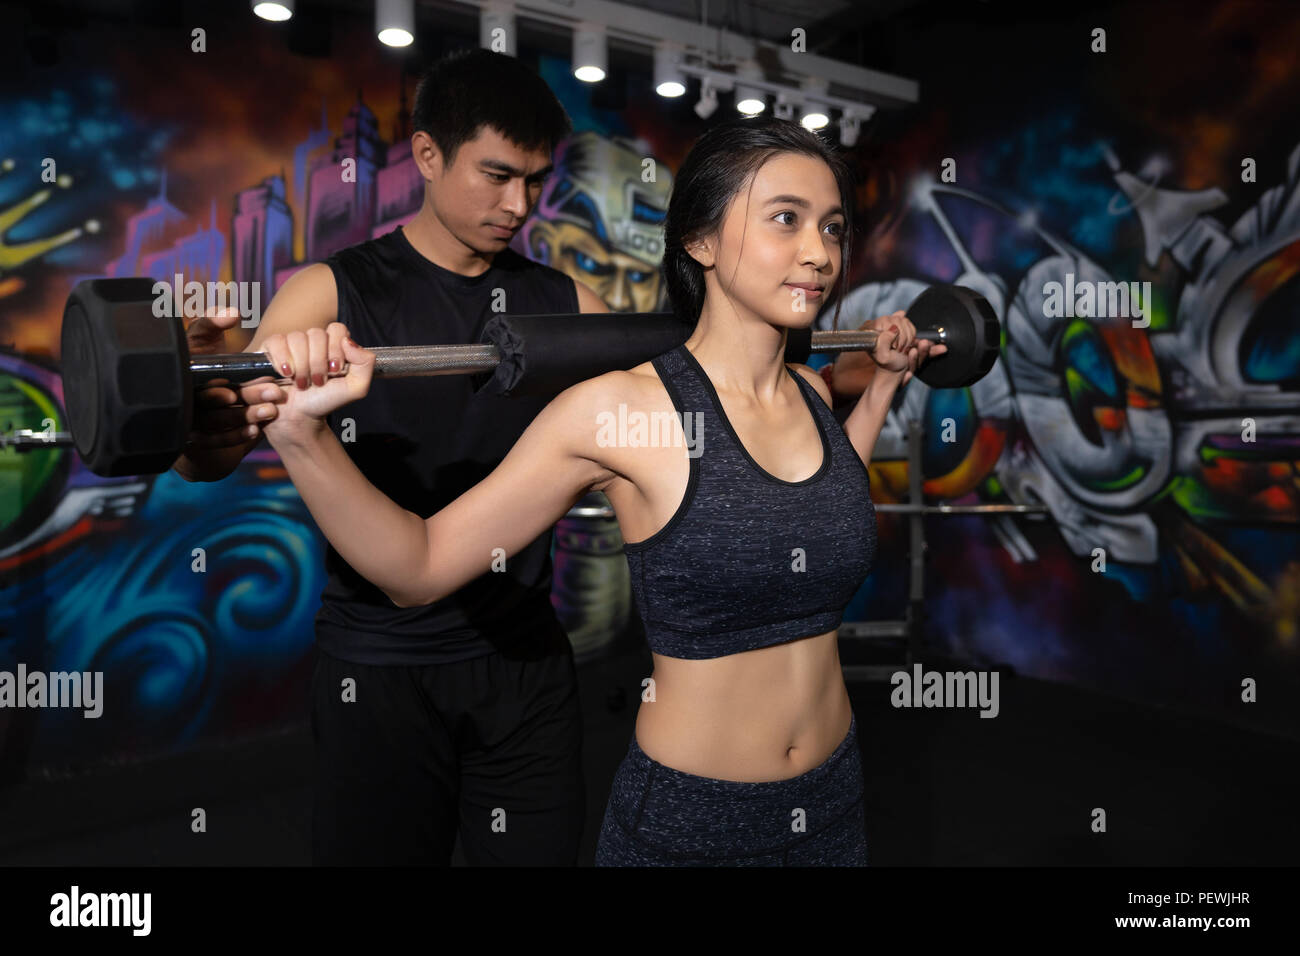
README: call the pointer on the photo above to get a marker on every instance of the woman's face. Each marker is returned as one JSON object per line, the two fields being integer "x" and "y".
{"x": 781, "y": 233}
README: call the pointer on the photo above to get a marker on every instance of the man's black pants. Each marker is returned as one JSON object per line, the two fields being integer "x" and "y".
{"x": 491, "y": 746}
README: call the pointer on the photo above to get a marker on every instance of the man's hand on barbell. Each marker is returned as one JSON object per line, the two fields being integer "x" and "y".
{"x": 225, "y": 415}
{"x": 220, "y": 420}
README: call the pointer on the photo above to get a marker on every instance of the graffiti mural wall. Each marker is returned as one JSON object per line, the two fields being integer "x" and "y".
{"x": 1158, "y": 420}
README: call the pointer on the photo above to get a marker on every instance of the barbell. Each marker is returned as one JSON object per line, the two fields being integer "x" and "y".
{"x": 129, "y": 379}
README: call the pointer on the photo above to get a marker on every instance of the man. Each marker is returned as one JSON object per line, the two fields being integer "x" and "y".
{"x": 462, "y": 714}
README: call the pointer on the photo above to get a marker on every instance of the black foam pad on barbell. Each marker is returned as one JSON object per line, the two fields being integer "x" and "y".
{"x": 542, "y": 355}
{"x": 126, "y": 378}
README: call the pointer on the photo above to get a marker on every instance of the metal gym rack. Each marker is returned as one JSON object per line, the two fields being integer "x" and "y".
{"x": 908, "y": 627}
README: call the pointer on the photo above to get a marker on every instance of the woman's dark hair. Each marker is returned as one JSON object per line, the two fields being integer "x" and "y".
{"x": 469, "y": 89}
{"x": 718, "y": 166}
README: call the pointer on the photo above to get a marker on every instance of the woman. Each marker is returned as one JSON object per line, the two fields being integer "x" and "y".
{"x": 744, "y": 550}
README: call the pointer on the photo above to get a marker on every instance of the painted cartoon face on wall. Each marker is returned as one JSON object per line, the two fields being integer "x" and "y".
{"x": 625, "y": 282}
{"x": 600, "y": 220}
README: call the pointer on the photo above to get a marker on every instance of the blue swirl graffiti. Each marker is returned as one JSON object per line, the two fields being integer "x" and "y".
{"x": 181, "y": 636}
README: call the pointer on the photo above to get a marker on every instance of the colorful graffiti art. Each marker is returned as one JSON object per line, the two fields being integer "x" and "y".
{"x": 1167, "y": 443}
{"x": 1169, "y": 446}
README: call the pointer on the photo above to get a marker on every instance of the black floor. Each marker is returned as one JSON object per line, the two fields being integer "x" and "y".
{"x": 944, "y": 787}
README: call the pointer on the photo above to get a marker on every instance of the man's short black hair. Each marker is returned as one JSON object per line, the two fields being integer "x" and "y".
{"x": 469, "y": 89}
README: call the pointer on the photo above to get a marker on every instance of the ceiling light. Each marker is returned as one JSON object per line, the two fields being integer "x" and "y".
{"x": 395, "y": 22}
{"x": 816, "y": 112}
{"x": 669, "y": 79}
{"x": 708, "y": 101}
{"x": 273, "y": 9}
{"x": 589, "y": 53}
{"x": 749, "y": 99}
{"x": 851, "y": 123}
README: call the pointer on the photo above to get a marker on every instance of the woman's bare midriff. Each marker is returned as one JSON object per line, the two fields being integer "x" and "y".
{"x": 767, "y": 714}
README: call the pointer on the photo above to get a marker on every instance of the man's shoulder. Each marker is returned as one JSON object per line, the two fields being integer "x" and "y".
{"x": 377, "y": 247}
{"x": 509, "y": 259}
{"x": 367, "y": 263}
{"x": 538, "y": 273}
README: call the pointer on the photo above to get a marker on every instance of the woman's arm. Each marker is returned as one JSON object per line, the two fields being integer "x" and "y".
{"x": 848, "y": 376}
{"x": 865, "y": 422}
{"x": 895, "y": 358}
{"x": 418, "y": 561}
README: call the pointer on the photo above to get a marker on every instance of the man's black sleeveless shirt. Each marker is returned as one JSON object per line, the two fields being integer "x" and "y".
{"x": 424, "y": 441}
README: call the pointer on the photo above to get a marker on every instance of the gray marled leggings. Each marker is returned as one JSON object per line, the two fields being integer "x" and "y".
{"x": 658, "y": 816}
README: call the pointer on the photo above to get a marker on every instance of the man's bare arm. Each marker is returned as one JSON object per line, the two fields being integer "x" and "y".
{"x": 589, "y": 301}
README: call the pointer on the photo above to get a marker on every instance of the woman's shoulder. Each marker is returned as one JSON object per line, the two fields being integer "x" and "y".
{"x": 637, "y": 389}
{"x": 578, "y": 417}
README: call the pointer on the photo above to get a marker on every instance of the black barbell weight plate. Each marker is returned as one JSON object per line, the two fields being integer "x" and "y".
{"x": 126, "y": 378}
{"x": 972, "y": 334}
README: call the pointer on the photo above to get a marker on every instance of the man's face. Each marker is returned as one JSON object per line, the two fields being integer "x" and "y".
{"x": 489, "y": 189}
